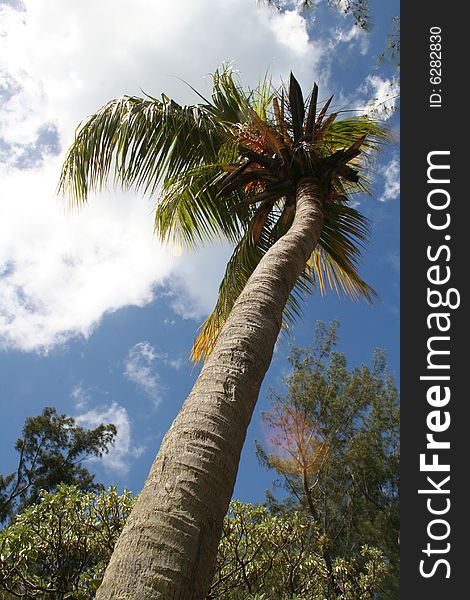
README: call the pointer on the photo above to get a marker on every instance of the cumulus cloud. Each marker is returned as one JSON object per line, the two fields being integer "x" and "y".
{"x": 290, "y": 29}
{"x": 60, "y": 61}
{"x": 83, "y": 61}
{"x": 63, "y": 272}
{"x": 123, "y": 450}
{"x": 391, "y": 175}
{"x": 18, "y": 4}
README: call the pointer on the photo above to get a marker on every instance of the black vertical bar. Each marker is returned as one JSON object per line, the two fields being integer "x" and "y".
{"x": 435, "y": 262}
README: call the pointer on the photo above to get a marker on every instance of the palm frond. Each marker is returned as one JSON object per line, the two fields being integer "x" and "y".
{"x": 232, "y": 103}
{"x": 344, "y": 132}
{"x": 297, "y": 107}
{"x": 311, "y": 115}
{"x": 335, "y": 260}
{"x": 138, "y": 141}
{"x": 189, "y": 212}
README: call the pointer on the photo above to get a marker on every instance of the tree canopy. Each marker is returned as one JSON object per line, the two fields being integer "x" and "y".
{"x": 52, "y": 450}
{"x": 333, "y": 438}
{"x": 263, "y": 555}
{"x": 59, "y": 547}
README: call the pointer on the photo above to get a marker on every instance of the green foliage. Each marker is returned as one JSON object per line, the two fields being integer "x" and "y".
{"x": 51, "y": 451}
{"x": 265, "y": 556}
{"x": 59, "y": 548}
{"x": 350, "y": 425}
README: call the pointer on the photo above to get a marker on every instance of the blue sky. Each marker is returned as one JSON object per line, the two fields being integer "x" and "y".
{"x": 96, "y": 318}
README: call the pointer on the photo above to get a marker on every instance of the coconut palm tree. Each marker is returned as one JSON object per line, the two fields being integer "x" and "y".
{"x": 273, "y": 175}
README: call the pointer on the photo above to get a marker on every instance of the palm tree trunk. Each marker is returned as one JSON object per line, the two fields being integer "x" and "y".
{"x": 168, "y": 547}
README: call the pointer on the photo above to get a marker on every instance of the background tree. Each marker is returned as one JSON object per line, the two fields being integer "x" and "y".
{"x": 334, "y": 440}
{"x": 270, "y": 172}
{"x": 59, "y": 547}
{"x": 52, "y": 450}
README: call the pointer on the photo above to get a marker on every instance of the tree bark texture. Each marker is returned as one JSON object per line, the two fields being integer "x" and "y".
{"x": 168, "y": 547}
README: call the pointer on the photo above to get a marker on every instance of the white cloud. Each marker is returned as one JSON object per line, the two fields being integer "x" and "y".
{"x": 352, "y": 36}
{"x": 382, "y": 96}
{"x": 174, "y": 363}
{"x": 391, "y": 174}
{"x": 60, "y": 61}
{"x": 139, "y": 368}
{"x": 122, "y": 451}
{"x": 64, "y": 272}
{"x": 290, "y": 29}
{"x": 94, "y": 51}
{"x": 80, "y": 397}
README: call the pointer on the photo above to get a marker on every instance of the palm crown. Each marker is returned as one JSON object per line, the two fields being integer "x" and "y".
{"x": 227, "y": 168}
